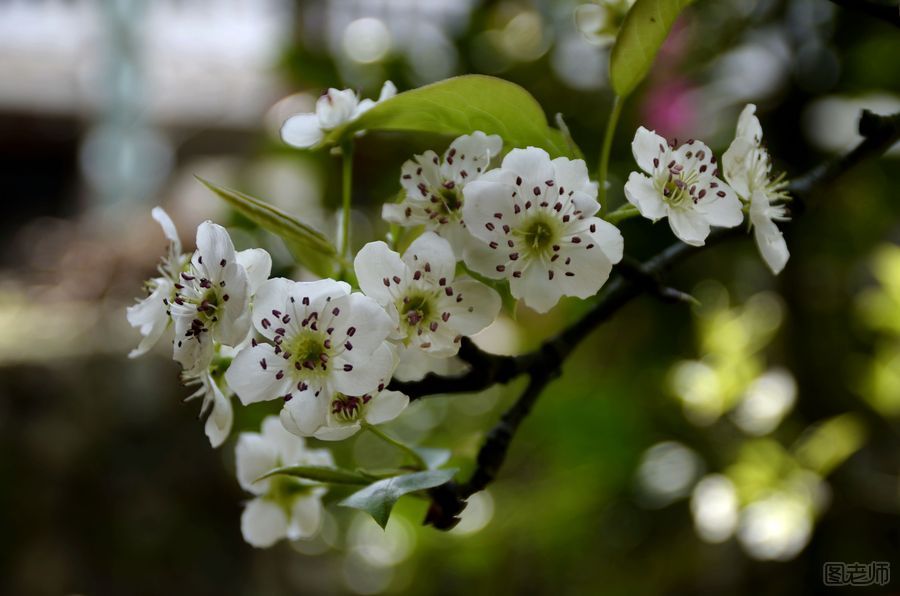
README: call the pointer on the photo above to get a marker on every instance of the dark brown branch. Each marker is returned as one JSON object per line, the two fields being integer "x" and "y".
{"x": 886, "y": 11}
{"x": 633, "y": 279}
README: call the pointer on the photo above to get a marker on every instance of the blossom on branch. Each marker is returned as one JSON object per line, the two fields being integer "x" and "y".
{"x": 747, "y": 168}
{"x": 325, "y": 341}
{"x": 534, "y": 221}
{"x": 683, "y": 185}
{"x": 430, "y": 309}
{"x": 151, "y": 315}
{"x": 334, "y": 108}
{"x": 284, "y": 506}
{"x": 434, "y": 187}
{"x": 212, "y": 297}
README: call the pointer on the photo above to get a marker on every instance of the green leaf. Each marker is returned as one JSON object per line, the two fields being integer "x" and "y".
{"x": 320, "y": 474}
{"x": 309, "y": 246}
{"x": 645, "y": 29}
{"x": 379, "y": 498}
{"x": 462, "y": 105}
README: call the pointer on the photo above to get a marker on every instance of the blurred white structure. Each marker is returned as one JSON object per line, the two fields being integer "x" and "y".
{"x": 197, "y": 62}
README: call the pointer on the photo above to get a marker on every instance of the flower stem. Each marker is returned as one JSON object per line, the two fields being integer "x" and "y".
{"x": 419, "y": 462}
{"x": 347, "y": 187}
{"x": 622, "y": 213}
{"x": 605, "y": 150}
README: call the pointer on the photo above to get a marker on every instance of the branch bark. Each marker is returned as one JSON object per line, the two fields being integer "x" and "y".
{"x": 632, "y": 279}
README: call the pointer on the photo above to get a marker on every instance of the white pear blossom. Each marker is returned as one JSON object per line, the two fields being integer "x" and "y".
{"x": 284, "y": 506}
{"x": 212, "y": 297}
{"x": 151, "y": 315}
{"x": 215, "y": 403}
{"x": 534, "y": 221}
{"x": 599, "y": 21}
{"x": 747, "y": 167}
{"x": 334, "y": 108}
{"x": 429, "y": 308}
{"x": 682, "y": 185}
{"x": 434, "y": 187}
{"x": 325, "y": 341}
{"x": 348, "y": 413}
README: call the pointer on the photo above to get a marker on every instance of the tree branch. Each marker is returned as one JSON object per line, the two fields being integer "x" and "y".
{"x": 632, "y": 279}
{"x": 880, "y": 10}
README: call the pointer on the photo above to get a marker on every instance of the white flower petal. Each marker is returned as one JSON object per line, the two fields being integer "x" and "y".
{"x": 722, "y": 207}
{"x": 358, "y": 375}
{"x": 586, "y": 273}
{"x": 273, "y": 294}
{"x": 645, "y": 147}
{"x": 532, "y": 164}
{"x": 374, "y": 263}
{"x": 363, "y": 328}
{"x": 263, "y": 523}
{"x": 255, "y": 456}
{"x": 303, "y": 414}
{"x": 535, "y": 288}
{"x": 253, "y": 375}
{"x": 640, "y": 192}
{"x": 215, "y": 246}
{"x": 150, "y": 315}
{"x": 233, "y": 323}
{"x": 336, "y": 107}
{"x": 769, "y": 238}
{"x": 291, "y": 449}
{"x": 258, "y": 265}
{"x": 485, "y": 200}
{"x": 690, "y": 226}
{"x": 748, "y": 126}
{"x": 590, "y": 20}
{"x": 736, "y": 164}
{"x": 306, "y": 517}
{"x": 608, "y": 238}
{"x": 484, "y": 301}
{"x": 385, "y": 406}
{"x": 413, "y": 364}
{"x": 469, "y": 154}
{"x": 221, "y": 416}
{"x": 168, "y": 227}
{"x": 435, "y": 252}
{"x": 302, "y": 131}
{"x": 388, "y": 90}
{"x": 572, "y": 174}
{"x": 193, "y": 353}
{"x": 338, "y": 432}
{"x": 481, "y": 258}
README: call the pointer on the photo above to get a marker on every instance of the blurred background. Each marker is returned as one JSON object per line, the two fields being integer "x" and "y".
{"x": 735, "y": 448}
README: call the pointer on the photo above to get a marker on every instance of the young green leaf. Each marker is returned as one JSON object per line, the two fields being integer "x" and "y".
{"x": 379, "y": 498}
{"x": 309, "y": 246}
{"x": 320, "y": 474}
{"x": 462, "y": 105}
{"x": 642, "y": 34}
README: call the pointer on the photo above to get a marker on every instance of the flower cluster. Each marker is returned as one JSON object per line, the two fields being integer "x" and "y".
{"x": 327, "y": 352}
{"x": 683, "y": 184}
{"x": 206, "y": 297}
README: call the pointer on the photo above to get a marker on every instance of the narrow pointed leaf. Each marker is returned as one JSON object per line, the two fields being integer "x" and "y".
{"x": 643, "y": 32}
{"x": 378, "y": 499}
{"x": 319, "y": 474}
{"x": 309, "y": 246}
{"x": 462, "y": 105}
